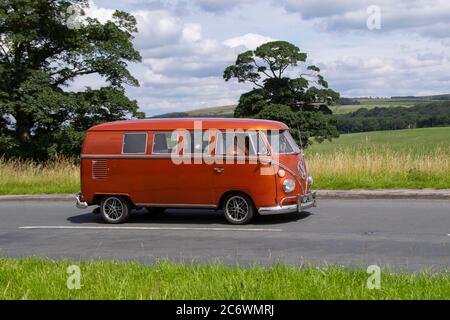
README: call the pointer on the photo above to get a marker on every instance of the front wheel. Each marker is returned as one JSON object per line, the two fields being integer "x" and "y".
{"x": 238, "y": 209}
{"x": 115, "y": 209}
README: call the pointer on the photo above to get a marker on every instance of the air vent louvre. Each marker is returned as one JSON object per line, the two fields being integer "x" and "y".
{"x": 99, "y": 170}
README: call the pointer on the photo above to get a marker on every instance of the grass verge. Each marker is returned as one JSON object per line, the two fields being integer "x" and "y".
{"x": 412, "y": 158}
{"x": 46, "y": 279}
{"x": 27, "y": 177}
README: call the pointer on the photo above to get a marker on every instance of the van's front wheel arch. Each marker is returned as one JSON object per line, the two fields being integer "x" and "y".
{"x": 238, "y": 208}
{"x": 115, "y": 209}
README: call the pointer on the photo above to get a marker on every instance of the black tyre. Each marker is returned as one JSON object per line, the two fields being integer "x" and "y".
{"x": 238, "y": 208}
{"x": 115, "y": 209}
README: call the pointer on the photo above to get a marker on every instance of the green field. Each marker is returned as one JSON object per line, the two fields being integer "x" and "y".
{"x": 413, "y": 141}
{"x": 413, "y": 158}
{"x": 373, "y": 103}
{"x": 46, "y": 279}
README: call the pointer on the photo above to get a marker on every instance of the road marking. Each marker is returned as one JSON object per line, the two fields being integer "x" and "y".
{"x": 152, "y": 228}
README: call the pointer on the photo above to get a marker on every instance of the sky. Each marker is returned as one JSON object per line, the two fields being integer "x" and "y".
{"x": 364, "y": 48}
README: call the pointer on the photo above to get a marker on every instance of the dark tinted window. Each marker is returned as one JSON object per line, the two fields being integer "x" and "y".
{"x": 134, "y": 143}
{"x": 165, "y": 142}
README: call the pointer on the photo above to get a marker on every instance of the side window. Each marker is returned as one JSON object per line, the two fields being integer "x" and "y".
{"x": 196, "y": 144}
{"x": 236, "y": 144}
{"x": 164, "y": 142}
{"x": 134, "y": 143}
{"x": 258, "y": 143}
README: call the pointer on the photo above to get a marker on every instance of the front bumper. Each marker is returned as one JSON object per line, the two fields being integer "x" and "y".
{"x": 80, "y": 204}
{"x": 303, "y": 202}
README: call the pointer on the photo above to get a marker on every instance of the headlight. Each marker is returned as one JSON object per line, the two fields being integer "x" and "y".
{"x": 310, "y": 181}
{"x": 288, "y": 185}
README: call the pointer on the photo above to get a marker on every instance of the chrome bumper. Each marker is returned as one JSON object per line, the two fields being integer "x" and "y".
{"x": 80, "y": 204}
{"x": 303, "y": 202}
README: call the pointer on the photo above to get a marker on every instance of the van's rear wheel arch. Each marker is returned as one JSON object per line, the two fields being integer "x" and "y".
{"x": 98, "y": 198}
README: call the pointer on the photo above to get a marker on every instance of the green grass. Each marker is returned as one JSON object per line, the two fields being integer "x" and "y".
{"x": 373, "y": 103}
{"x": 26, "y": 177}
{"x": 413, "y": 158}
{"x": 45, "y": 279}
{"x": 412, "y": 141}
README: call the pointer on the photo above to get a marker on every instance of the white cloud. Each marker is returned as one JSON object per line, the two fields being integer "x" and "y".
{"x": 426, "y": 18}
{"x": 220, "y": 6}
{"x": 250, "y": 41}
{"x": 157, "y": 28}
{"x": 192, "y": 32}
{"x": 185, "y": 51}
{"x": 412, "y": 74}
{"x": 102, "y": 14}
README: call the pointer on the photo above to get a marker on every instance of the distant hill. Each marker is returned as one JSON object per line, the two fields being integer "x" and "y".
{"x": 432, "y": 97}
{"x": 344, "y": 105}
{"x": 214, "y": 112}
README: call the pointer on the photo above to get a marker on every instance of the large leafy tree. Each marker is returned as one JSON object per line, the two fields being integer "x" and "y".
{"x": 285, "y": 89}
{"x": 42, "y": 51}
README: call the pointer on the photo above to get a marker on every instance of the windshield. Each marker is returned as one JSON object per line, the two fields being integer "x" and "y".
{"x": 282, "y": 142}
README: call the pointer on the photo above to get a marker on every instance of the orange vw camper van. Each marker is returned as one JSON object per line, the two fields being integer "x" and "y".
{"x": 242, "y": 166}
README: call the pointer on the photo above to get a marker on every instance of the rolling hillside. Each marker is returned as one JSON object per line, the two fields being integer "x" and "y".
{"x": 364, "y": 102}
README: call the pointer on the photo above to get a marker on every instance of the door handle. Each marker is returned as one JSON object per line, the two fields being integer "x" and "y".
{"x": 219, "y": 169}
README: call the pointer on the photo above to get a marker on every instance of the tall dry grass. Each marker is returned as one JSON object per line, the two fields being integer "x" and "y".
{"x": 347, "y": 168}
{"x": 380, "y": 168}
{"x": 59, "y": 175}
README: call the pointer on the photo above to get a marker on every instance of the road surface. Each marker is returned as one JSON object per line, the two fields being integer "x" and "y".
{"x": 400, "y": 235}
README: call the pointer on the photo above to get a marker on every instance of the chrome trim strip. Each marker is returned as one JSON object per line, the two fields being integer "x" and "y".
{"x": 291, "y": 208}
{"x": 176, "y": 205}
{"x": 285, "y": 209}
{"x": 157, "y": 156}
{"x": 277, "y": 210}
{"x": 291, "y": 172}
{"x": 286, "y": 198}
{"x": 80, "y": 204}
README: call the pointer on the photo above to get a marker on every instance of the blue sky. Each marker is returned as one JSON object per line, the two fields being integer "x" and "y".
{"x": 185, "y": 46}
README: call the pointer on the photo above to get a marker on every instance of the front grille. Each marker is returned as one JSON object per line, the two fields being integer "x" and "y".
{"x": 99, "y": 169}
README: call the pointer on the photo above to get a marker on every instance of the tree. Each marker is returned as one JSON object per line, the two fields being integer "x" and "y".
{"x": 302, "y": 101}
{"x": 41, "y": 54}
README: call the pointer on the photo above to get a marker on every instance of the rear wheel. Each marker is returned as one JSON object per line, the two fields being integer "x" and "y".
{"x": 115, "y": 209}
{"x": 238, "y": 208}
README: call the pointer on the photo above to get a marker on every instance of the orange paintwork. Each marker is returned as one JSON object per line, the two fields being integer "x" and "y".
{"x": 154, "y": 179}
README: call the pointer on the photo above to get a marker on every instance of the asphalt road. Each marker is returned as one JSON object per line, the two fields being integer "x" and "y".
{"x": 400, "y": 235}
